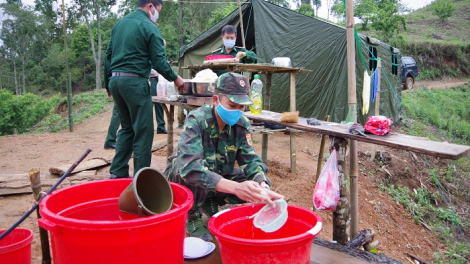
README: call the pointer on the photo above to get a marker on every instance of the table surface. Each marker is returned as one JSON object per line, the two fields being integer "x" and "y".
{"x": 242, "y": 67}
{"x": 399, "y": 141}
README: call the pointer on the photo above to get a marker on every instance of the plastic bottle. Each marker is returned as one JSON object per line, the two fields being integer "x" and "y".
{"x": 161, "y": 87}
{"x": 256, "y": 96}
{"x": 170, "y": 89}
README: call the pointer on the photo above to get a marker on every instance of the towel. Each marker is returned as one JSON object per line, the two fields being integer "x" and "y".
{"x": 376, "y": 84}
{"x": 365, "y": 93}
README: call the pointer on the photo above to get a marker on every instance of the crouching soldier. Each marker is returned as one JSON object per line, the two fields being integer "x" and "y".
{"x": 214, "y": 138}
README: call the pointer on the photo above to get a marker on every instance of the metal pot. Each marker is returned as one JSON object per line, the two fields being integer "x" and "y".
{"x": 187, "y": 88}
{"x": 203, "y": 89}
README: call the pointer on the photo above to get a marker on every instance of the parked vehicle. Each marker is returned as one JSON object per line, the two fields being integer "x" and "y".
{"x": 409, "y": 71}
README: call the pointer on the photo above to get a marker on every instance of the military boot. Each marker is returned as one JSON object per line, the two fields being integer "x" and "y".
{"x": 196, "y": 228}
{"x": 210, "y": 207}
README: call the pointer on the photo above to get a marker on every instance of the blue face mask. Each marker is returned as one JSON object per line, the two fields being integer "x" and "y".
{"x": 230, "y": 117}
{"x": 229, "y": 43}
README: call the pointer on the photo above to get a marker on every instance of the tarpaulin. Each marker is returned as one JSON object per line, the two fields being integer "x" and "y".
{"x": 310, "y": 43}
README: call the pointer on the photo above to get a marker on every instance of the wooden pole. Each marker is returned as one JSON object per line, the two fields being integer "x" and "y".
{"x": 341, "y": 214}
{"x": 322, "y": 151}
{"x": 35, "y": 178}
{"x": 352, "y": 102}
{"x": 377, "y": 108}
{"x": 240, "y": 14}
{"x": 293, "y": 145}
{"x": 266, "y": 106}
{"x": 264, "y": 148}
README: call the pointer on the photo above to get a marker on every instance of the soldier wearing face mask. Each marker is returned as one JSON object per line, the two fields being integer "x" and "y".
{"x": 229, "y": 37}
{"x": 136, "y": 46}
{"x": 214, "y": 138}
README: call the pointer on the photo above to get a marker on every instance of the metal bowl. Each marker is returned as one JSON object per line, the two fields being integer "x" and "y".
{"x": 281, "y": 62}
{"x": 203, "y": 89}
{"x": 187, "y": 88}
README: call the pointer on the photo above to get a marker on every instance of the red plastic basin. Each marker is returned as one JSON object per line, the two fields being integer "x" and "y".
{"x": 218, "y": 57}
{"x": 16, "y": 246}
{"x": 86, "y": 226}
{"x": 241, "y": 242}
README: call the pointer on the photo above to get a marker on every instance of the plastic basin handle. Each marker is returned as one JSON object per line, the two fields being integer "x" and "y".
{"x": 49, "y": 226}
{"x": 316, "y": 229}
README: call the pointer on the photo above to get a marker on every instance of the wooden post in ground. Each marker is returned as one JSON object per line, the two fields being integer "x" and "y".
{"x": 35, "y": 178}
{"x": 266, "y": 106}
{"x": 377, "y": 107}
{"x": 341, "y": 214}
{"x": 352, "y": 102}
{"x": 240, "y": 16}
{"x": 293, "y": 146}
{"x": 322, "y": 151}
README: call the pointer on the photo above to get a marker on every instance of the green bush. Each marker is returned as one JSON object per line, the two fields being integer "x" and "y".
{"x": 443, "y": 9}
{"x": 18, "y": 113}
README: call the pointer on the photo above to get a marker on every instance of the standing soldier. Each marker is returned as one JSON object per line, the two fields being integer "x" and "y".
{"x": 136, "y": 46}
{"x": 214, "y": 137}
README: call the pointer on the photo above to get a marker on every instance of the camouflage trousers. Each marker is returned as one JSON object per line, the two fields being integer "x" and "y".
{"x": 200, "y": 194}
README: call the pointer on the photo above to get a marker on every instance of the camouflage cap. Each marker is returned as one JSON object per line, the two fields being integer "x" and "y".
{"x": 234, "y": 86}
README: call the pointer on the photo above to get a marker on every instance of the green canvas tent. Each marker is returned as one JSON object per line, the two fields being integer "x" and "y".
{"x": 273, "y": 31}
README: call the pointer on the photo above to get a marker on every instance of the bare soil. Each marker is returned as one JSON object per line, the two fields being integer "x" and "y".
{"x": 396, "y": 230}
{"x": 443, "y": 84}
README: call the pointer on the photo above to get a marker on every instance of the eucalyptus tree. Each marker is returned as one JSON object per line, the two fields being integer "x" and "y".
{"x": 92, "y": 12}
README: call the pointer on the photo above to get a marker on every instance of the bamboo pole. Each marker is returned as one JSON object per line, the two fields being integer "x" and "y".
{"x": 341, "y": 214}
{"x": 69, "y": 101}
{"x": 293, "y": 145}
{"x": 266, "y": 106}
{"x": 35, "y": 178}
{"x": 377, "y": 108}
{"x": 241, "y": 23}
{"x": 352, "y": 102}
{"x": 322, "y": 151}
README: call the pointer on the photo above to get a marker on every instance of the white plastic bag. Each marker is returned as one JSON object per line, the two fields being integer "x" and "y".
{"x": 326, "y": 194}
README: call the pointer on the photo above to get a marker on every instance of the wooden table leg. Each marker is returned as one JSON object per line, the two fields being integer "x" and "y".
{"x": 264, "y": 148}
{"x": 293, "y": 146}
{"x": 170, "y": 118}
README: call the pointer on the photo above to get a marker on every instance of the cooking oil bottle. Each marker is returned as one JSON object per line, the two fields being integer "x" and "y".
{"x": 256, "y": 96}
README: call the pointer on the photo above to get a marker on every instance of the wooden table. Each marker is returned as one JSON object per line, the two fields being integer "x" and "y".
{"x": 268, "y": 70}
{"x": 399, "y": 141}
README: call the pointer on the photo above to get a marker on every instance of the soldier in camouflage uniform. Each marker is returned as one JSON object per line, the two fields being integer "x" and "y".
{"x": 214, "y": 138}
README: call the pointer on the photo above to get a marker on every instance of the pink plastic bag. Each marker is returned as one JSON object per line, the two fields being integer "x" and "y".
{"x": 326, "y": 194}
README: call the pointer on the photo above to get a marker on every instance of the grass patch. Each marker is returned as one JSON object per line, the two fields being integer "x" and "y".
{"x": 85, "y": 105}
{"x": 440, "y": 115}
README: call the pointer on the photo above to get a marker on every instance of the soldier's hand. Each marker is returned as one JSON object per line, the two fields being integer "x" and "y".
{"x": 240, "y": 55}
{"x": 251, "y": 191}
{"x": 179, "y": 83}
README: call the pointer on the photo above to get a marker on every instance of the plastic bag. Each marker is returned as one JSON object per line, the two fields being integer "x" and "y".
{"x": 326, "y": 194}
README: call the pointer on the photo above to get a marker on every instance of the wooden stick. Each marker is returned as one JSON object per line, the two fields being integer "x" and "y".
{"x": 240, "y": 14}
{"x": 322, "y": 151}
{"x": 35, "y": 178}
{"x": 377, "y": 109}
{"x": 293, "y": 146}
{"x": 417, "y": 258}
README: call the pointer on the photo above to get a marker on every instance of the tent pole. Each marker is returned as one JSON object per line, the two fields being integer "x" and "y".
{"x": 241, "y": 23}
{"x": 352, "y": 101}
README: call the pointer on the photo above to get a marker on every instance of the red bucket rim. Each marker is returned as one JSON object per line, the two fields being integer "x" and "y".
{"x": 236, "y": 240}
{"x": 25, "y": 240}
{"x": 113, "y": 224}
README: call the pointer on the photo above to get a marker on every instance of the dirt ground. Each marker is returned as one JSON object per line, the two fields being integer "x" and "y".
{"x": 393, "y": 225}
{"x": 440, "y": 84}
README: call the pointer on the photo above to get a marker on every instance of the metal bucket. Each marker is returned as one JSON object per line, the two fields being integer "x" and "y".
{"x": 149, "y": 193}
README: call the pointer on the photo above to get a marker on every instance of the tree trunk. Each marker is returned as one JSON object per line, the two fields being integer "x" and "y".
{"x": 17, "y": 90}
{"x": 98, "y": 50}
{"x": 180, "y": 23}
{"x": 24, "y": 75}
{"x": 342, "y": 213}
{"x": 92, "y": 42}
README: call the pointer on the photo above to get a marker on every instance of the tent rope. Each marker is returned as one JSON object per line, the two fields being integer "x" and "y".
{"x": 248, "y": 24}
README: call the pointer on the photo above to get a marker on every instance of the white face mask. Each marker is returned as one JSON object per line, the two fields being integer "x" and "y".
{"x": 154, "y": 17}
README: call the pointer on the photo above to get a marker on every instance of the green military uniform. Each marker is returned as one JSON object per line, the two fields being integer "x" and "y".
{"x": 135, "y": 47}
{"x": 114, "y": 124}
{"x": 205, "y": 155}
{"x": 249, "y": 58}
{"x": 158, "y": 107}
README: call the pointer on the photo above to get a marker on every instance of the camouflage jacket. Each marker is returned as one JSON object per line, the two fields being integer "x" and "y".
{"x": 205, "y": 154}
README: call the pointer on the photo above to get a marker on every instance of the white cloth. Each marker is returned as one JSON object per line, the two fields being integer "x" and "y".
{"x": 366, "y": 93}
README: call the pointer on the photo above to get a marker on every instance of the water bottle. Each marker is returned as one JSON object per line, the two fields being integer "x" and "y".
{"x": 256, "y": 96}
{"x": 161, "y": 87}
